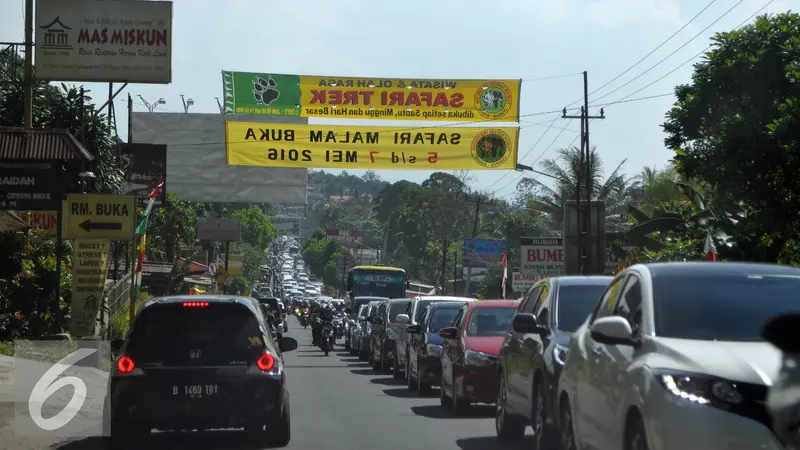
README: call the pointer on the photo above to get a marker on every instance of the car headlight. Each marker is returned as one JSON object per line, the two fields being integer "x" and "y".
{"x": 434, "y": 350}
{"x": 472, "y": 358}
{"x": 702, "y": 389}
{"x": 560, "y": 354}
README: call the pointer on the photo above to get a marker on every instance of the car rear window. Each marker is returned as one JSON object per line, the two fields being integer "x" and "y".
{"x": 489, "y": 321}
{"x": 171, "y": 334}
{"x": 397, "y": 308}
{"x": 442, "y": 318}
{"x": 271, "y": 302}
{"x": 421, "y": 306}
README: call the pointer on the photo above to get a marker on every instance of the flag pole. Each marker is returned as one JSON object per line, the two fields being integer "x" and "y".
{"x": 132, "y": 302}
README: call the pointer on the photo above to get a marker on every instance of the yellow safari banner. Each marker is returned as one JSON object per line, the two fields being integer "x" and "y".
{"x": 270, "y": 94}
{"x": 362, "y": 147}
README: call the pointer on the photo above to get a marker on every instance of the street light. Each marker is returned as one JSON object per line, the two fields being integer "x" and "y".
{"x": 152, "y": 106}
{"x": 187, "y": 102}
{"x": 524, "y": 168}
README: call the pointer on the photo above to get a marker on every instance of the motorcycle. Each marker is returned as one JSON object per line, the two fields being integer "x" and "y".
{"x": 338, "y": 327}
{"x": 327, "y": 340}
{"x": 305, "y": 313}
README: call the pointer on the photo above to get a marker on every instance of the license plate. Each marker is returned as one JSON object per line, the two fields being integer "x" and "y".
{"x": 195, "y": 391}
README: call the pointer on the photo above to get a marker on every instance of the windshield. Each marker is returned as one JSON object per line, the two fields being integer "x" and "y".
{"x": 575, "y": 303}
{"x": 489, "y": 321}
{"x": 422, "y": 305}
{"x": 362, "y": 301}
{"x": 721, "y": 307}
{"x": 397, "y": 308}
{"x": 362, "y": 312}
{"x": 221, "y": 332}
{"x": 442, "y": 318}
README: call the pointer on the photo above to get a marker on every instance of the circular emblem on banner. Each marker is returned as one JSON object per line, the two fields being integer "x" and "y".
{"x": 491, "y": 148}
{"x": 493, "y": 100}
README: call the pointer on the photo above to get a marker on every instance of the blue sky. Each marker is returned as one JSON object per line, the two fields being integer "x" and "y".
{"x": 529, "y": 39}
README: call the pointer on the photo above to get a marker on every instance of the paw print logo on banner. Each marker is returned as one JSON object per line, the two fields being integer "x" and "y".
{"x": 265, "y": 92}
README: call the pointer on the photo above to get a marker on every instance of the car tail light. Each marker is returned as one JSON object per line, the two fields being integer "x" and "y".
{"x": 125, "y": 364}
{"x": 195, "y": 304}
{"x": 265, "y": 362}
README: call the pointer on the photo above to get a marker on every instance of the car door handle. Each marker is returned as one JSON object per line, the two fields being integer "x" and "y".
{"x": 597, "y": 352}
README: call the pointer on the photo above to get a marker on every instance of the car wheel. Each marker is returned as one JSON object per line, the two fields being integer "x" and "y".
{"x": 444, "y": 400}
{"x": 635, "y": 436}
{"x": 458, "y": 405}
{"x": 397, "y": 374}
{"x": 566, "y": 426}
{"x": 410, "y": 381}
{"x": 538, "y": 416}
{"x": 509, "y": 428}
{"x": 423, "y": 389}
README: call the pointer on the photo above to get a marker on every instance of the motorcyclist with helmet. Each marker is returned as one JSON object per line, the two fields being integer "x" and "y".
{"x": 319, "y": 318}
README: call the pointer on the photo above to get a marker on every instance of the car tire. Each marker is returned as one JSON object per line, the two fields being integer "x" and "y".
{"x": 444, "y": 400}
{"x": 458, "y": 406}
{"x": 539, "y": 416}
{"x": 423, "y": 389}
{"x": 509, "y": 428}
{"x": 567, "y": 427}
{"x": 397, "y": 374}
{"x": 635, "y": 435}
{"x": 410, "y": 381}
{"x": 125, "y": 437}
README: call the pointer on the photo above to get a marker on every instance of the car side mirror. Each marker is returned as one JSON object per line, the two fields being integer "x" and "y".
{"x": 402, "y": 318}
{"x": 116, "y": 345}
{"x": 783, "y": 332}
{"x": 613, "y": 330}
{"x": 528, "y": 323}
{"x": 448, "y": 333}
{"x": 414, "y": 329}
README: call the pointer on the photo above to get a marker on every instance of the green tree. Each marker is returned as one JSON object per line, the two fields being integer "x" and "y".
{"x": 736, "y": 127}
{"x": 257, "y": 228}
{"x": 565, "y": 169}
{"x": 170, "y": 226}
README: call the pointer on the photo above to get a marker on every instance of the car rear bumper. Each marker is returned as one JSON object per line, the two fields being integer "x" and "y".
{"x": 479, "y": 384}
{"x": 236, "y": 403}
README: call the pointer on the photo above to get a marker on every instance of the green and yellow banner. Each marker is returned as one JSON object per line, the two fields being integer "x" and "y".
{"x": 363, "y": 147}
{"x": 271, "y": 94}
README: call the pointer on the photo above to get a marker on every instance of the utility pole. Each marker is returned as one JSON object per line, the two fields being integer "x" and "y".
{"x": 584, "y": 189}
{"x": 455, "y": 273}
{"x": 444, "y": 263}
{"x": 28, "y": 73}
{"x": 471, "y": 254}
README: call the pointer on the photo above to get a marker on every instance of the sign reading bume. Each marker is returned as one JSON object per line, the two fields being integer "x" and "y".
{"x": 29, "y": 186}
{"x": 363, "y": 147}
{"x": 87, "y": 40}
{"x": 270, "y": 94}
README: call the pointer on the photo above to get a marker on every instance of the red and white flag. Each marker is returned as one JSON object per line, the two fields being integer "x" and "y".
{"x": 709, "y": 248}
{"x": 504, "y": 263}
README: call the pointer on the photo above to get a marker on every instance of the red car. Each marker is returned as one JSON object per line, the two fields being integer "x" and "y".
{"x": 469, "y": 354}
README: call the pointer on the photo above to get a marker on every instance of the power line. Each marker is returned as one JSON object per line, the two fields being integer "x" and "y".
{"x": 673, "y": 53}
{"x": 552, "y": 77}
{"x": 655, "y": 49}
{"x": 623, "y": 99}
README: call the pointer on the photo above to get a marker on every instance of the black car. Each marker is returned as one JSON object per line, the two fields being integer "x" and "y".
{"x": 354, "y": 306}
{"x": 197, "y": 363}
{"x": 535, "y": 349}
{"x": 424, "y": 363}
{"x": 275, "y": 307}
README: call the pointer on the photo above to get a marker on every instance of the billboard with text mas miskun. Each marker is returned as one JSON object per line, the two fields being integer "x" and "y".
{"x": 335, "y": 97}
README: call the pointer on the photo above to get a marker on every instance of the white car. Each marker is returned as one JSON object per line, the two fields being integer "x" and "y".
{"x": 673, "y": 359}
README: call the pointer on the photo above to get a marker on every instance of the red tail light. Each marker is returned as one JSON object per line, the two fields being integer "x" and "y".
{"x": 266, "y": 362}
{"x": 125, "y": 364}
{"x": 195, "y": 304}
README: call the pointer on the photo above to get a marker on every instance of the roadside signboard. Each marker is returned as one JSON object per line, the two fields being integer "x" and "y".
{"x": 145, "y": 166}
{"x": 236, "y": 264}
{"x": 542, "y": 256}
{"x": 29, "y": 186}
{"x": 219, "y": 229}
{"x": 485, "y": 252}
{"x": 521, "y": 282}
{"x": 344, "y": 235}
{"x": 100, "y": 216}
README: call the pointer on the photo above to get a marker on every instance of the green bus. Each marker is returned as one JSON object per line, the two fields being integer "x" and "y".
{"x": 376, "y": 281}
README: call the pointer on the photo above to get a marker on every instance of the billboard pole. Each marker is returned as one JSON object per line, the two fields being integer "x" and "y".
{"x": 28, "y": 73}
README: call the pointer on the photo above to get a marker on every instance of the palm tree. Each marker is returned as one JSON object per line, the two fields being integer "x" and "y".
{"x": 565, "y": 168}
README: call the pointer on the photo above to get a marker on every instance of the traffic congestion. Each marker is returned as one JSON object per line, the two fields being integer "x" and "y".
{"x": 660, "y": 356}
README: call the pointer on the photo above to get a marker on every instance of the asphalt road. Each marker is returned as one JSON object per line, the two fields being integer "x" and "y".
{"x": 338, "y": 403}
